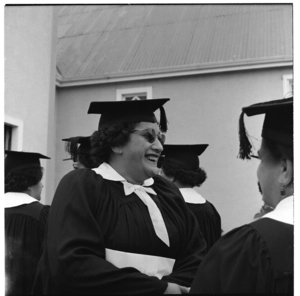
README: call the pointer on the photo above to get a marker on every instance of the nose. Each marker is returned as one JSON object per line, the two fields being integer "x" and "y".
{"x": 157, "y": 145}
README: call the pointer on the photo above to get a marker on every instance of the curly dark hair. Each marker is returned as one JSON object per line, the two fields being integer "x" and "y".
{"x": 19, "y": 181}
{"x": 87, "y": 161}
{"x": 110, "y": 135}
{"x": 184, "y": 176}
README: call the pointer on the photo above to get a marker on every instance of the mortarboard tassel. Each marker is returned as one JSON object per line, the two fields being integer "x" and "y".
{"x": 245, "y": 145}
{"x": 163, "y": 124}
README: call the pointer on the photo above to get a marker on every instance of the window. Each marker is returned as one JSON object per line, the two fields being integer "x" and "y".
{"x": 7, "y": 136}
{"x": 13, "y": 133}
{"x": 139, "y": 93}
{"x": 288, "y": 85}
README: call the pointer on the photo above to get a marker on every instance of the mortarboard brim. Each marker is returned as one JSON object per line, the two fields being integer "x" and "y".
{"x": 278, "y": 123}
{"x": 17, "y": 160}
{"x": 185, "y": 155}
{"x": 132, "y": 111}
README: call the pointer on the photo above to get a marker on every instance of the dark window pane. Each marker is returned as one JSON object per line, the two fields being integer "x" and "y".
{"x": 7, "y": 137}
{"x": 135, "y": 97}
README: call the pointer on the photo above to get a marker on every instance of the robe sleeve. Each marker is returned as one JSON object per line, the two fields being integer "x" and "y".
{"x": 238, "y": 263}
{"x": 43, "y": 223}
{"x": 194, "y": 248}
{"x": 76, "y": 249}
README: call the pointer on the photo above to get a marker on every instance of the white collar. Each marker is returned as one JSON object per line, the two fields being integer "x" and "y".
{"x": 190, "y": 195}
{"x": 109, "y": 173}
{"x": 284, "y": 211}
{"x": 15, "y": 199}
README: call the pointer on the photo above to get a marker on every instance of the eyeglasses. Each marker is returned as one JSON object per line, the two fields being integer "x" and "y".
{"x": 150, "y": 135}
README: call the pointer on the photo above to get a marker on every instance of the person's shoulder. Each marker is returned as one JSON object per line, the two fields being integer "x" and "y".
{"x": 212, "y": 208}
{"x": 255, "y": 235}
{"x": 46, "y": 208}
{"x": 240, "y": 233}
{"x": 168, "y": 191}
{"x": 32, "y": 210}
{"x": 273, "y": 230}
{"x": 80, "y": 175}
{"x": 162, "y": 183}
{"x": 80, "y": 178}
{"x": 158, "y": 179}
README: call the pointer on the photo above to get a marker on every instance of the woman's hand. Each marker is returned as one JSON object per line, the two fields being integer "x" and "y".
{"x": 176, "y": 289}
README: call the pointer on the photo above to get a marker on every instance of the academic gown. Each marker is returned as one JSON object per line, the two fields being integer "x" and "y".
{"x": 24, "y": 232}
{"x": 90, "y": 215}
{"x": 254, "y": 258}
{"x": 206, "y": 214}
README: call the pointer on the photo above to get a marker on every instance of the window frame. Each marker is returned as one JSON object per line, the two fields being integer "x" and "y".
{"x": 16, "y": 133}
{"x": 132, "y": 91}
{"x": 287, "y": 89}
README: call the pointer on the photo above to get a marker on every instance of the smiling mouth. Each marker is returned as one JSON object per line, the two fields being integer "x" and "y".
{"x": 152, "y": 158}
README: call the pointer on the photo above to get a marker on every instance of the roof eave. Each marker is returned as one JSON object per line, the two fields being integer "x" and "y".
{"x": 174, "y": 72}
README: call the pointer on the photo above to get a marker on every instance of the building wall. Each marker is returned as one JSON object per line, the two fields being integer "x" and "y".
{"x": 203, "y": 109}
{"x": 30, "y": 68}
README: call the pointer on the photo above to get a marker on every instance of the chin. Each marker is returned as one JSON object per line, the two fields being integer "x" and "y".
{"x": 268, "y": 202}
{"x": 154, "y": 172}
{"x": 148, "y": 172}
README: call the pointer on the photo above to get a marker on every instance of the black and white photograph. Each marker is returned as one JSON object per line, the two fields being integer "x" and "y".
{"x": 149, "y": 148}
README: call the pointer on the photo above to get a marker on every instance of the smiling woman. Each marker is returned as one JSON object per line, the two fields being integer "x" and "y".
{"x": 121, "y": 228}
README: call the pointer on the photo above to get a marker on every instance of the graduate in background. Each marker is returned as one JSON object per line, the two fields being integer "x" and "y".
{"x": 25, "y": 219}
{"x": 258, "y": 257}
{"x": 180, "y": 165}
{"x": 121, "y": 228}
{"x": 79, "y": 149}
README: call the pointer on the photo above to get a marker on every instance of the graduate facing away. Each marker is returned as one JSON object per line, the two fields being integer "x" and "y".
{"x": 258, "y": 257}
{"x": 25, "y": 220}
{"x": 121, "y": 228}
{"x": 181, "y": 166}
{"x": 79, "y": 148}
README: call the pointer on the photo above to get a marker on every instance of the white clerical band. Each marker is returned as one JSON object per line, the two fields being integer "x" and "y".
{"x": 147, "y": 264}
{"x": 155, "y": 214}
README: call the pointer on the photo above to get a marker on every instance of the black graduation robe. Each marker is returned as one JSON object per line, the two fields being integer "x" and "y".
{"x": 254, "y": 258}
{"x": 209, "y": 221}
{"x": 24, "y": 233}
{"x": 89, "y": 214}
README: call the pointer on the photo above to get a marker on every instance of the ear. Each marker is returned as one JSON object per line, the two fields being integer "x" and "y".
{"x": 170, "y": 178}
{"x": 28, "y": 190}
{"x": 117, "y": 150}
{"x": 287, "y": 171}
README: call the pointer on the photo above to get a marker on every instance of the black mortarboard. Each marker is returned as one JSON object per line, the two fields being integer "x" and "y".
{"x": 77, "y": 145}
{"x": 134, "y": 111}
{"x": 17, "y": 160}
{"x": 184, "y": 155}
{"x": 278, "y": 124}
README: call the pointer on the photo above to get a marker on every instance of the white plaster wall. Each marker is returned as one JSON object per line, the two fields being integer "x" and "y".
{"x": 30, "y": 41}
{"x": 203, "y": 109}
